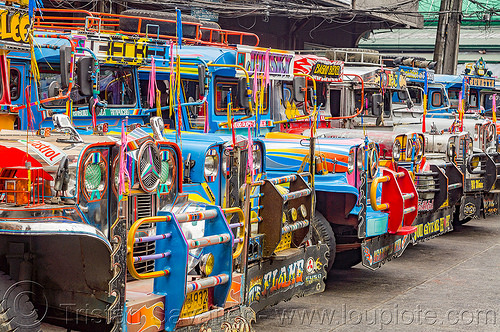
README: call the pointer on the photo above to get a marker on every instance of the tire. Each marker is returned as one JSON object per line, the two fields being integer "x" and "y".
{"x": 130, "y": 24}
{"x": 321, "y": 231}
{"x": 457, "y": 223}
{"x": 17, "y": 313}
{"x": 347, "y": 259}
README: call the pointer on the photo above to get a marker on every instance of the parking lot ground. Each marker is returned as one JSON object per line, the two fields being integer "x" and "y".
{"x": 449, "y": 283}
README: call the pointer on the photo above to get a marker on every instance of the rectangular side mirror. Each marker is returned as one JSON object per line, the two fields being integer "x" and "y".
{"x": 299, "y": 85}
{"x": 377, "y": 104}
{"x": 242, "y": 90}
{"x": 85, "y": 68}
{"x": 201, "y": 79}
{"x": 65, "y": 65}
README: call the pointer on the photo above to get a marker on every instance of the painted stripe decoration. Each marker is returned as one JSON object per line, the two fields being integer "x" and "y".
{"x": 152, "y": 238}
{"x": 207, "y": 282}
{"x": 293, "y": 227}
{"x": 151, "y": 257}
{"x": 296, "y": 194}
{"x": 256, "y": 208}
{"x": 208, "y": 241}
{"x": 193, "y": 216}
{"x": 288, "y": 178}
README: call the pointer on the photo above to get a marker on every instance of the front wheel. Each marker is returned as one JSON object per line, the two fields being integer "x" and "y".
{"x": 322, "y": 231}
{"x": 17, "y": 313}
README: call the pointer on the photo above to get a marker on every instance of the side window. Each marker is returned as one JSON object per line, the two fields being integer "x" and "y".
{"x": 15, "y": 84}
{"x": 196, "y": 113}
{"x": 117, "y": 86}
{"x": 473, "y": 100}
{"x": 222, "y": 88}
{"x": 436, "y": 99}
{"x": 453, "y": 95}
{"x": 162, "y": 85}
{"x": 335, "y": 102}
{"x": 416, "y": 96}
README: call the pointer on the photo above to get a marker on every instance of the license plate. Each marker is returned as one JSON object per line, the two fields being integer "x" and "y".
{"x": 286, "y": 240}
{"x": 196, "y": 303}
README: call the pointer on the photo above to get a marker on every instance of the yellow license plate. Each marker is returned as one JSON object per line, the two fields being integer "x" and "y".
{"x": 286, "y": 240}
{"x": 196, "y": 303}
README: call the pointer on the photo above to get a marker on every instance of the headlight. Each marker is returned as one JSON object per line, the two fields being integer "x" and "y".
{"x": 207, "y": 264}
{"x": 451, "y": 151}
{"x": 292, "y": 214}
{"x": 420, "y": 148}
{"x": 373, "y": 163}
{"x": 410, "y": 146}
{"x": 93, "y": 177}
{"x": 350, "y": 161}
{"x": 166, "y": 172}
{"x": 303, "y": 211}
{"x": 257, "y": 158}
{"x": 211, "y": 165}
{"x": 396, "y": 150}
{"x": 360, "y": 158}
{"x": 225, "y": 162}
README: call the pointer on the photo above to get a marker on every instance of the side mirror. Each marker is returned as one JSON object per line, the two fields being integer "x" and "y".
{"x": 157, "y": 126}
{"x": 85, "y": 68}
{"x": 54, "y": 88}
{"x": 409, "y": 103}
{"x": 299, "y": 85}
{"x": 201, "y": 80}
{"x": 242, "y": 90}
{"x": 63, "y": 123}
{"x": 377, "y": 103}
{"x": 97, "y": 107}
{"x": 65, "y": 65}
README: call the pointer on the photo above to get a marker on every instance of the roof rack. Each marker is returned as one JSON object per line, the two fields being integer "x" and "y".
{"x": 70, "y": 20}
{"x": 350, "y": 56}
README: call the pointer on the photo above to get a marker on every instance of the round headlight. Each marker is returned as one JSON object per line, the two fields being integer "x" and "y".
{"x": 207, "y": 264}
{"x": 257, "y": 157}
{"x": 211, "y": 165}
{"x": 303, "y": 211}
{"x": 360, "y": 158}
{"x": 396, "y": 150}
{"x": 410, "y": 146}
{"x": 420, "y": 148}
{"x": 373, "y": 163}
{"x": 293, "y": 214}
{"x": 166, "y": 172}
{"x": 93, "y": 177}
{"x": 450, "y": 151}
{"x": 350, "y": 161}
{"x": 225, "y": 162}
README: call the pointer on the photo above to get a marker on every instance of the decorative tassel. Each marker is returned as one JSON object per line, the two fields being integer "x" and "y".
{"x": 152, "y": 83}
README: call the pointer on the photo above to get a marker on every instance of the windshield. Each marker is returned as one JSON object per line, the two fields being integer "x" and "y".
{"x": 116, "y": 86}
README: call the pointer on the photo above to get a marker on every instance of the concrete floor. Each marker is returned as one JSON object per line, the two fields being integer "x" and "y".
{"x": 450, "y": 283}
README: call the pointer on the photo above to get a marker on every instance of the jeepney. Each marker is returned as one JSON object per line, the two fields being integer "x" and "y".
{"x": 279, "y": 240}
{"x": 396, "y": 150}
{"x": 228, "y": 86}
